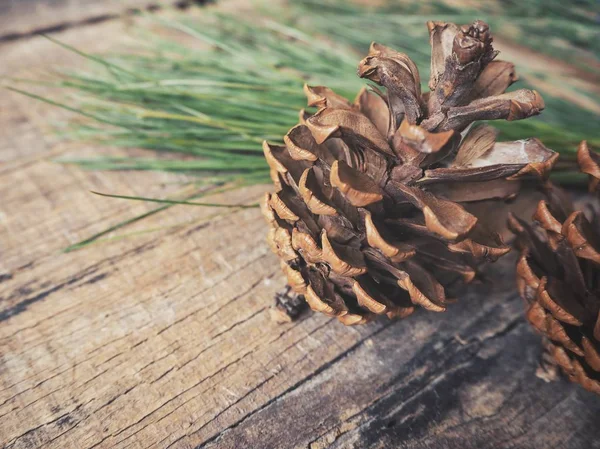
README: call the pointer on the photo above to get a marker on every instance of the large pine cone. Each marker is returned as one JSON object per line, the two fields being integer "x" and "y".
{"x": 558, "y": 274}
{"x": 369, "y": 215}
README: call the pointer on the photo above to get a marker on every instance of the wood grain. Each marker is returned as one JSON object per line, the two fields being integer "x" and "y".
{"x": 164, "y": 340}
{"x": 20, "y": 18}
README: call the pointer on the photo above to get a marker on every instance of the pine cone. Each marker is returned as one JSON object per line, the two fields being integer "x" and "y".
{"x": 370, "y": 212}
{"x": 558, "y": 275}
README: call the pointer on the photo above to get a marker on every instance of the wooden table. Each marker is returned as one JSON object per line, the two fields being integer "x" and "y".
{"x": 164, "y": 340}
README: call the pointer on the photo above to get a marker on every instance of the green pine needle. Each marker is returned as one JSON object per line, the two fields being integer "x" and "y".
{"x": 187, "y": 203}
{"x": 215, "y": 102}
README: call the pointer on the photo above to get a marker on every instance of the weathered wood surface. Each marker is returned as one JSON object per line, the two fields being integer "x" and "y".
{"x": 164, "y": 340}
{"x": 22, "y": 17}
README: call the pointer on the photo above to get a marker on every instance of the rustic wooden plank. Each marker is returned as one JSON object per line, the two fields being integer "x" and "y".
{"x": 108, "y": 333}
{"x": 198, "y": 363}
{"x": 164, "y": 340}
{"x": 466, "y": 381}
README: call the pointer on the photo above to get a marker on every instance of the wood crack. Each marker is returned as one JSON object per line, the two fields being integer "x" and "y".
{"x": 255, "y": 388}
{"x": 472, "y": 347}
{"x": 216, "y": 373}
{"x": 294, "y": 387}
{"x": 224, "y": 279}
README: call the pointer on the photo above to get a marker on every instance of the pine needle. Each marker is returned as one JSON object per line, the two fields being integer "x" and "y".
{"x": 215, "y": 102}
{"x": 187, "y": 203}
